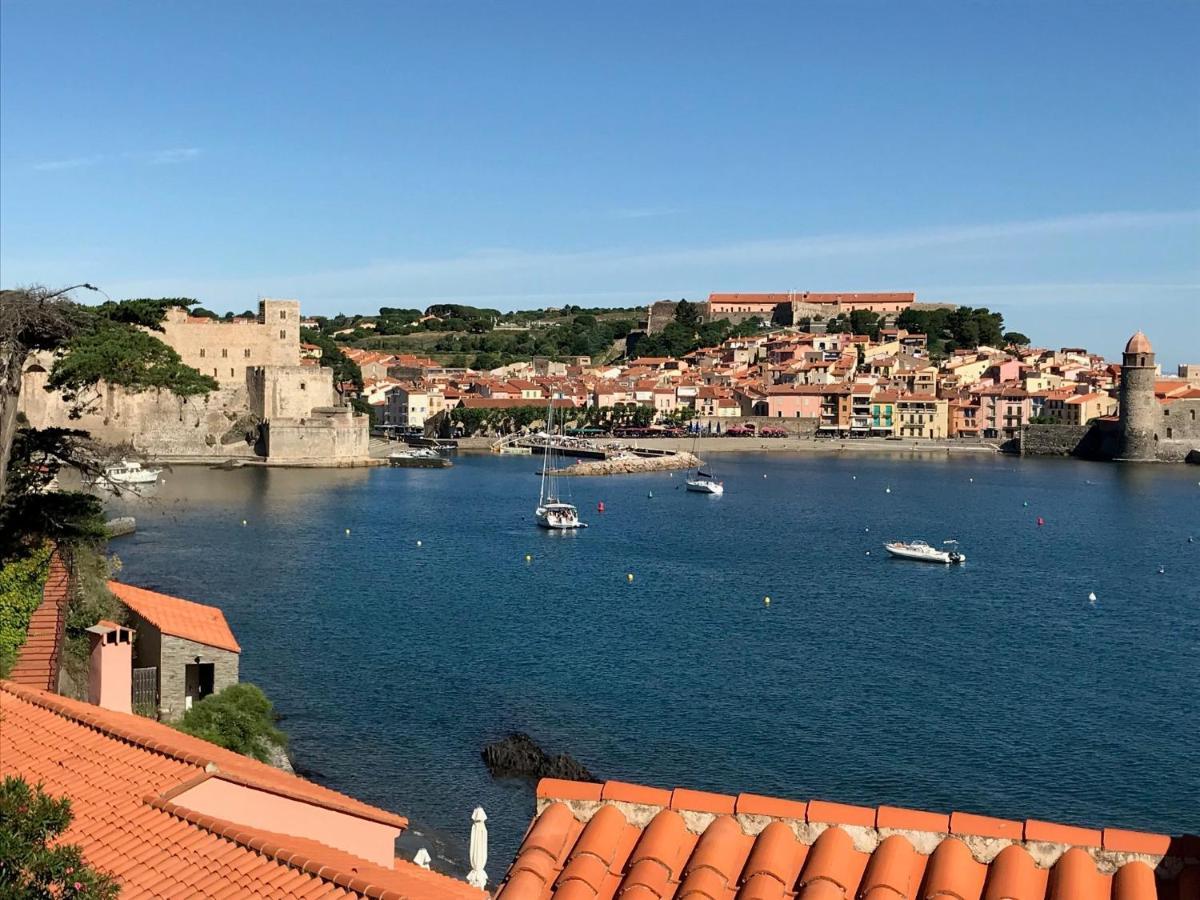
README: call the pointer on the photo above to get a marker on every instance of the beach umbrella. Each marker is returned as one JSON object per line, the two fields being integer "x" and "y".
{"x": 478, "y": 852}
{"x": 422, "y": 858}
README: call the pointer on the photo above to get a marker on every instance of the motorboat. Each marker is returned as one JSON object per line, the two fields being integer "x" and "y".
{"x": 552, "y": 512}
{"x": 130, "y": 472}
{"x": 922, "y": 552}
{"x": 418, "y": 458}
{"x": 703, "y": 483}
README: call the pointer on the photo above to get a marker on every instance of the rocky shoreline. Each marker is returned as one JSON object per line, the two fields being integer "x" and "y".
{"x": 631, "y": 465}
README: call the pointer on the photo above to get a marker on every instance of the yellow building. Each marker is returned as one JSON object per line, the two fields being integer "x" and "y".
{"x": 922, "y": 416}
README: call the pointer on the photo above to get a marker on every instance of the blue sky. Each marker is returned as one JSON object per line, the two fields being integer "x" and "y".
{"x": 1041, "y": 158}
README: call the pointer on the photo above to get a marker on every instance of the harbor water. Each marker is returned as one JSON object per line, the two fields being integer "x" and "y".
{"x": 393, "y": 618}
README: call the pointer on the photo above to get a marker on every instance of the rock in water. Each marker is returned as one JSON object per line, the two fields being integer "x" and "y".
{"x": 519, "y": 756}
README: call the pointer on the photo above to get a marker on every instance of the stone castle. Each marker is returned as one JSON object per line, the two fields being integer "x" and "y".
{"x": 271, "y": 405}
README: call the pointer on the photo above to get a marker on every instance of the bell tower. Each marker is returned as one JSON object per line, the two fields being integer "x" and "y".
{"x": 1139, "y": 410}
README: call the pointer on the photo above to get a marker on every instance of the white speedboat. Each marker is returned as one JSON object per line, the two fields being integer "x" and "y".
{"x": 703, "y": 483}
{"x": 552, "y": 512}
{"x": 130, "y": 472}
{"x": 922, "y": 552}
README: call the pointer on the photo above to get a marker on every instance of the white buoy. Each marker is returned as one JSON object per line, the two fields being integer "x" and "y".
{"x": 528, "y": 557}
{"x": 418, "y": 543}
{"x": 972, "y": 480}
{"x": 347, "y": 531}
{"x": 767, "y": 601}
{"x": 868, "y": 553}
{"x": 854, "y": 478}
{"x": 243, "y": 522}
{"x": 1162, "y": 570}
{"x": 887, "y": 490}
{"x": 1092, "y": 597}
{"x": 868, "y": 528}
{"x": 650, "y": 495}
{"x": 629, "y": 577}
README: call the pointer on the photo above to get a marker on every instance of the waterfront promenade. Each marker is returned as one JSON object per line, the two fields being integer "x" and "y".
{"x": 709, "y": 445}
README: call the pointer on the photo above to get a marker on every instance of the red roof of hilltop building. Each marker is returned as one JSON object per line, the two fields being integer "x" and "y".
{"x": 142, "y": 798}
{"x": 178, "y": 617}
{"x": 642, "y": 843}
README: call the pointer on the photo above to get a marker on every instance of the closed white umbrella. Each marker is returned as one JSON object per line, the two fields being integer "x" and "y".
{"x": 422, "y": 858}
{"x": 477, "y": 877}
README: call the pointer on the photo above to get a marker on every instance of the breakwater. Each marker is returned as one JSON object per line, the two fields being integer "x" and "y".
{"x": 628, "y": 465}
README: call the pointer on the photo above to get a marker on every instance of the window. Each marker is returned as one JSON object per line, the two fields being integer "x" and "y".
{"x": 224, "y": 353}
{"x": 282, "y": 333}
{"x": 283, "y": 314}
{"x": 214, "y": 373}
{"x": 202, "y": 353}
{"x": 302, "y": 386}
{"x": 1169, "y": 434}
{"x": 246, "y": 353}
{"x": 231, "y": 373}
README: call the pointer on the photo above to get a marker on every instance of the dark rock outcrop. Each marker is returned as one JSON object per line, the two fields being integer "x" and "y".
{"x": 519, "y": 756}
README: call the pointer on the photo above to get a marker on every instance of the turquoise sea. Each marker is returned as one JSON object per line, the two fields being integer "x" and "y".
{"x": 996, "y": 687}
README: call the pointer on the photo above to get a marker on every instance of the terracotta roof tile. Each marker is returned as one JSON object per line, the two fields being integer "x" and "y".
{"x": 116, "y": 769}
{"x": 178, "y": 617}
{"x": 692, "y": 848}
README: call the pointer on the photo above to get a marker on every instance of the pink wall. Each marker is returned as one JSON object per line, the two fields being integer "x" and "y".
{"x": 260, "y": 809}
{"x": 789, "y": 406}
{"x": 110, "y": 670}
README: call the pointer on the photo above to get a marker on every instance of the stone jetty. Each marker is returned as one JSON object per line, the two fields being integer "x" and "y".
{"x": 628, "y": 465}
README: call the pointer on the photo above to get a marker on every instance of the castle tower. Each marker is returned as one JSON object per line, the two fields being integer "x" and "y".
{"x": 1139, "y": 409}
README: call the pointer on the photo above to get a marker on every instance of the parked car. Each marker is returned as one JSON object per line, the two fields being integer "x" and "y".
{"x": 772, "y": 431}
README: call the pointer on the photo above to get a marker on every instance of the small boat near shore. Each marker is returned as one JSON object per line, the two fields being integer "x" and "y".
{"x": 418, "y": 458}
{"x": 129, "y": 472}
{"x": 920, "y": 551}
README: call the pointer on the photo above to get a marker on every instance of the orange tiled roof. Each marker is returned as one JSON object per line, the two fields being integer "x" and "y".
{"x": 120, "y": 772}
{"x": 642, "y": 843}
{"x": 39, "y": 657}
{"x": 178, "y": 617}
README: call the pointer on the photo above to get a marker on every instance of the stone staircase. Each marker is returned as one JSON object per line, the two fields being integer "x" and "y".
{"x": 39, "y": 658}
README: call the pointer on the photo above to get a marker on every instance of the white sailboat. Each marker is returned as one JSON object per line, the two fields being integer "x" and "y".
{"x": 701, "y": 482}
{"x": 552, "y": 512}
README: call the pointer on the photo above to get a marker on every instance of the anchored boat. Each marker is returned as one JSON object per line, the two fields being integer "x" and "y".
{"x": 922, "y": 552}
{"x": 552, "y": 512}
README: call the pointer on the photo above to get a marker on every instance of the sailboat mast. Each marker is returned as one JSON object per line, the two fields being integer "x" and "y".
{"x": 546, "y": 451}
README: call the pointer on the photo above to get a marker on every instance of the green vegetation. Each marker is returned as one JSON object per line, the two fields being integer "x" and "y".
{"x": 1016, "y": 339}
{"x": 858, "y": 321}
{"x": 948, "y": 330}
{"x": 686, "y": 333}
{"x": 34, "y": 864}
{"x": 121, "y": 355}
{"x": 345, "y": 370}
{"x": 21, "y": 583}
{"x": 239, "y": 718}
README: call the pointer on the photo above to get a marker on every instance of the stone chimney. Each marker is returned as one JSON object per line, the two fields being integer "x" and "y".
{"x": 110, "y": 679}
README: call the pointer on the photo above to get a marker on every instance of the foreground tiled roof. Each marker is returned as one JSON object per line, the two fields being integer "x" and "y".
{"x": 640, "y": 843}
{"x": 39, "y": 658}
{"x": 178, "y": 617}
{"x": 120, "y": 772}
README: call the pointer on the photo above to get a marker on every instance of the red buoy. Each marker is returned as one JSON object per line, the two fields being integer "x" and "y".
{"x": 1041, "y": 521}
{"x": 600, "y": 506}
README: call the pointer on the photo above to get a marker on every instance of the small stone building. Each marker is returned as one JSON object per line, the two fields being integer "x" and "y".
{"x": 188, "y": 645}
